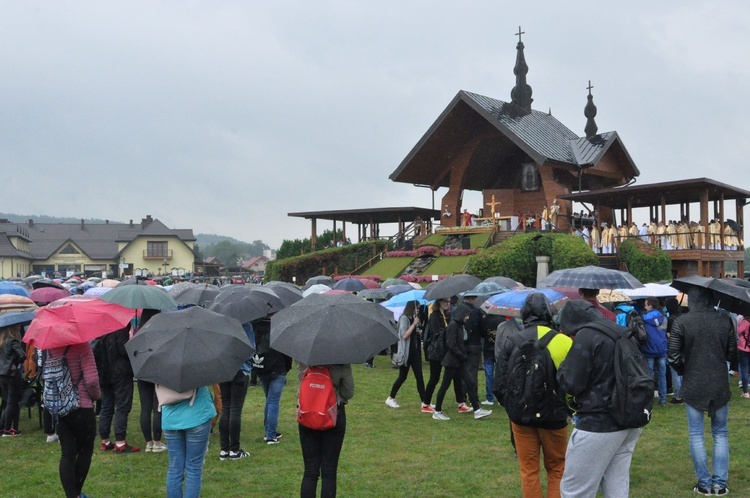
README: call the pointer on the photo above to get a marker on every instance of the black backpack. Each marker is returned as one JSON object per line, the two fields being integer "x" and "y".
{"x": 436, "y": 349}
{"x": 531, "y": 391}
{"x": 635, "y": 324}
{"x": 633, "y": 396}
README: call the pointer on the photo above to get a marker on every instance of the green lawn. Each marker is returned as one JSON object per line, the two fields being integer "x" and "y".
{"x": 389, "y": 267}
{"x": 446, "y": 265}
{"x": 387, "y": 453}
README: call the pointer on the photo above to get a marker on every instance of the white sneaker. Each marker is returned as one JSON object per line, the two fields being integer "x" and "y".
{"x": 53, "y": 438}
{"x": 392, "y": 402}
{"x": 488, "y": 402}
{"x": 440, "y": 416}
{"x": 149, "y": 447}
{"x": 481, "y": 413}
{"x": 158, "y": 447}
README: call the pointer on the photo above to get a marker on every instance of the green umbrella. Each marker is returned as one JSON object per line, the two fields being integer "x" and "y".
{"x": 140, "y": 297}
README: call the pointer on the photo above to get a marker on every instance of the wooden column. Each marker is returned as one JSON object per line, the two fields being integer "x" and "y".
{"x": 313, "y": 235}
{"x": 630, "y": 212}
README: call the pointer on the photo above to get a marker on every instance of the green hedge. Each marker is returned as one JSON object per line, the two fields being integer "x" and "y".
{"x": 343, "y": 260}
{"x": 516, "y": 256}
{"x": 646, "y": 262}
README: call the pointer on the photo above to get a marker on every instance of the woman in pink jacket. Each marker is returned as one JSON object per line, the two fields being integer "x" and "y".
{"x": 743, "y": 350}
{"x": 77, "y": 430}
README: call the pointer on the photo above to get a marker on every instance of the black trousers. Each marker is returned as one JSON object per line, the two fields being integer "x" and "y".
{"x": 415, "y": 363}
{"x": 77, "y": 432}
{"x": 456, "y": 375}
{"x": 117, "y": 401}
{"x": 230, "y": 422}
{"x": 320, "y": 452}
{"x": 10, "y": 386}
{"x": 150, "y": 414}
{"x": 435, "y": 369}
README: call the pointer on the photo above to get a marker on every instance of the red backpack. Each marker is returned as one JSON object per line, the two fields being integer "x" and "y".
{"x": 316, "y": 405}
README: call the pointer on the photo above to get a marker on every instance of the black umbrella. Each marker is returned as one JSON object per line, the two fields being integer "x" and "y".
{"x": 451, "y": 286}
{"x": 45, "y": 282}
{"x": 240, "y": 303}
{"x": 483, "y": 290}
{"x": 725, "y": 295}
{"x": 187, "y": 349}
{"x": 349, "y": 284}
{"x": 591, "y": 277}
{"x": 735, "y": 226}
{"x": 328, "y": 329}
{"x": 288, "y": 296}
{"x": 505, "y": 282}
{"x": 200, "y": 295}
{"x": 320, "y": 279}
{"x": 376, "y": 294}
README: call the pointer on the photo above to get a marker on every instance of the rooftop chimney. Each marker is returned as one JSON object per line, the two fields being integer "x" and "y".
{"x": 146, "y": 221}
{"x": 81, "y": 223}
{"x": 31, "y": 222}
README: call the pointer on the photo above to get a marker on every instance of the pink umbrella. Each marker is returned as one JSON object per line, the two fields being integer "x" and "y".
{"x": 369, "y": 283}
{"x": 75, "y": 321}
{"x": 108, "y": 282}
{"x": 336, "y": 291}
{"x": 45, "y": 295}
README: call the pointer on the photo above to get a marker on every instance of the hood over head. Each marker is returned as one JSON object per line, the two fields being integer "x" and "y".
{"x": 576, "y": 314}
{"x": 700, "y": 299}
{"x": 462, "y": 311}
{"x": 536, "y": 309}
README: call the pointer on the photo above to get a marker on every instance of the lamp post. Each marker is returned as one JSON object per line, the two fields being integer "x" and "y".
{"x": 165, "y": 263}
{"x": 122, "y": 267}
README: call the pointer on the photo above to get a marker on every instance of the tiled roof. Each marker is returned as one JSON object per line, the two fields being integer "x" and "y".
{"x": 8, "y": 250}
{"x": 98, "y": 241}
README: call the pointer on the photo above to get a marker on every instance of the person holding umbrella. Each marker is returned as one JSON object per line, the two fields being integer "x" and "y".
{"x": 410, "y": 355}
{"x": 12, "y": 356}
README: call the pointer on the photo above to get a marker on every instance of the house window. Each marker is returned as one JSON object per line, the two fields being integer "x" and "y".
{"x": 156, "y": 249}
{"x": 69, "y": 249}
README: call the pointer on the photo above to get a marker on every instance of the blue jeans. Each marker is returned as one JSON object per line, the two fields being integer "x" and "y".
{"x": 676, "y": 383}
{"x": 661, "y": 381}
{"x": 698, "y": 448}
{"x": 489, "y": 377}
{"x": 187, "y": 452}
{"x": 272, "y": 385}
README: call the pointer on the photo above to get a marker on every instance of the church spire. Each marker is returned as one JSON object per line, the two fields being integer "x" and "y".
{"x": 590, "y": 112}
{"x": 521, "y": 93}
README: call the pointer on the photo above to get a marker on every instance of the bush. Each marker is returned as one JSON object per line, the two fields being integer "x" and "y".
{"x": 646, "y": 262}
{"x": 516, "y": 256}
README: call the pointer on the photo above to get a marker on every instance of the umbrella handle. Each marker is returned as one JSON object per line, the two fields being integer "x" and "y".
{"x": 135, "y": 353}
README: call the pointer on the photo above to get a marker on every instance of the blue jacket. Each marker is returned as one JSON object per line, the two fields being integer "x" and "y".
{"x": 656, "y": 326}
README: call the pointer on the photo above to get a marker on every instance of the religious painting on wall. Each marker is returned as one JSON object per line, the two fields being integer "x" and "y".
{"x": 529, "y": 177}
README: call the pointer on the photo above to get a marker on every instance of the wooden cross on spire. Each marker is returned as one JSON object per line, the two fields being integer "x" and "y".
{"x": 520, "y": 33}
{"x": 493, "y": 203}
{"x": 589, "y": 87}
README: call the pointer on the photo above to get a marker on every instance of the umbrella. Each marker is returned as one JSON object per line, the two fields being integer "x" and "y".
{"x": 505, "y": 282}
{"x": 727, "y": 296}
{"x": 75, "y": 321}
{"x": 15, "y": 318}
{"x": 277, "y": 304}
{"x": 137, "y": 281}
{"x": 46, "y": 282}
{"x": 315, "y": 289}
{"x": 415, "y": 285}
{"x": 321, "y": 279}
{"x": 376, "y": 294}
{"x": 405, "y": 297}
{"x": 288, "y": 296}
{"x": 97, "y": 291}
{"x": 240, "y": 303}
{"x": 12, "y": 303}
{"x": 181, "y": 287}
{"x": 398, "y": 289}
{"x": 451, "y": 286}
{"x": 9, "y": 288}
{"x": 483, "y": 290}
{"x": 394, "y": 281}
{"x": 739, "y": 282}
{"x": 187, "y": 349}
{"x": 349, "y": 284}
{"x": 140, "y": 297}
{"x": 292, "y": 287}
{"x": 370, "y": 283}
{"x": 45, "y": 295}
{"x": 613, "y": 296}
{"x": 735, "y": 226}
{"x": 108, "y": 282}
{"x": 336, "y": 292}
{"x": 332, "y": 330}
{"x": 591, "y": 277}
{"x": 197, "y": 295}
{"x": 651, "y": 290}
{"x": 510, "y": 303}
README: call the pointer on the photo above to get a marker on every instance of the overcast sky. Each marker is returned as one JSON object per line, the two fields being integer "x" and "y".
{"x": 224, "y": 116}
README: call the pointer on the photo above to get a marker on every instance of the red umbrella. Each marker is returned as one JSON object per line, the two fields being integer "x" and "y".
{"x": 45, "y": 295}
{"x": 75, "y": 321}
{"x": 369, "y": 283}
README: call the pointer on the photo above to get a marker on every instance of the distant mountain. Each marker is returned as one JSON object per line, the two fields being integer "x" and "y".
{"x": 205, "y": 239}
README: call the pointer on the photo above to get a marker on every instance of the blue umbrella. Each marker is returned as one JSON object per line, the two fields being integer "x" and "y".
{"x": 11, "y": 288}
{"x": 510, "y": 303}
{"x": 405, "y": 297}
{"x": 24, "y": 317}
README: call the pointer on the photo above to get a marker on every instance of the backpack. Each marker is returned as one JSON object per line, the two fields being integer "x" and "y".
{"x": 531, "y": 394}
{"x": 437, "y": 349}
{"x": 633, "y": 396}
{"x": 167, "y": 396}
{"x": 317, "y": 406}
{"x": 60, "y": 395}
{"x": 633, "y": 321}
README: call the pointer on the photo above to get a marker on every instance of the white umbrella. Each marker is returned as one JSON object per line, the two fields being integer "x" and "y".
{"x": 651, "y": 290}
{"x": 316, "y": 289}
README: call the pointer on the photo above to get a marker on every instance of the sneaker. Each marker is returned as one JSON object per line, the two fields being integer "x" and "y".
{"x": 676, "y": 401}
{"x": 278, "y": 436}
{"x": 223, "y": 455}
{"x": 158, "y": 447}
{"x": 427, "y": 409}
{"x": 392, "y": 402}
{"x": 488, "y": 402}
{"x": 107, "y": 446}
{"x": 720, "y": 490}
{"x": 481, "y": 413}
{"x": 11, "y": 433}
{"x": 746, "y": 395}
{"x": 126, "y": 448}
{"x": 236, "y": 455}
{"x": 703, "y": 491}
{"x": 272, "y": 441}
{"x": 149, "y": 447}
{"x": 53, "y": 438}
{"x": 440, "y": 416}
{"x": 464, "y": 408}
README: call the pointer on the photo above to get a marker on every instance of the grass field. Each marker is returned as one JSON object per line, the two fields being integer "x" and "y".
{"x": 387, "y": 453}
